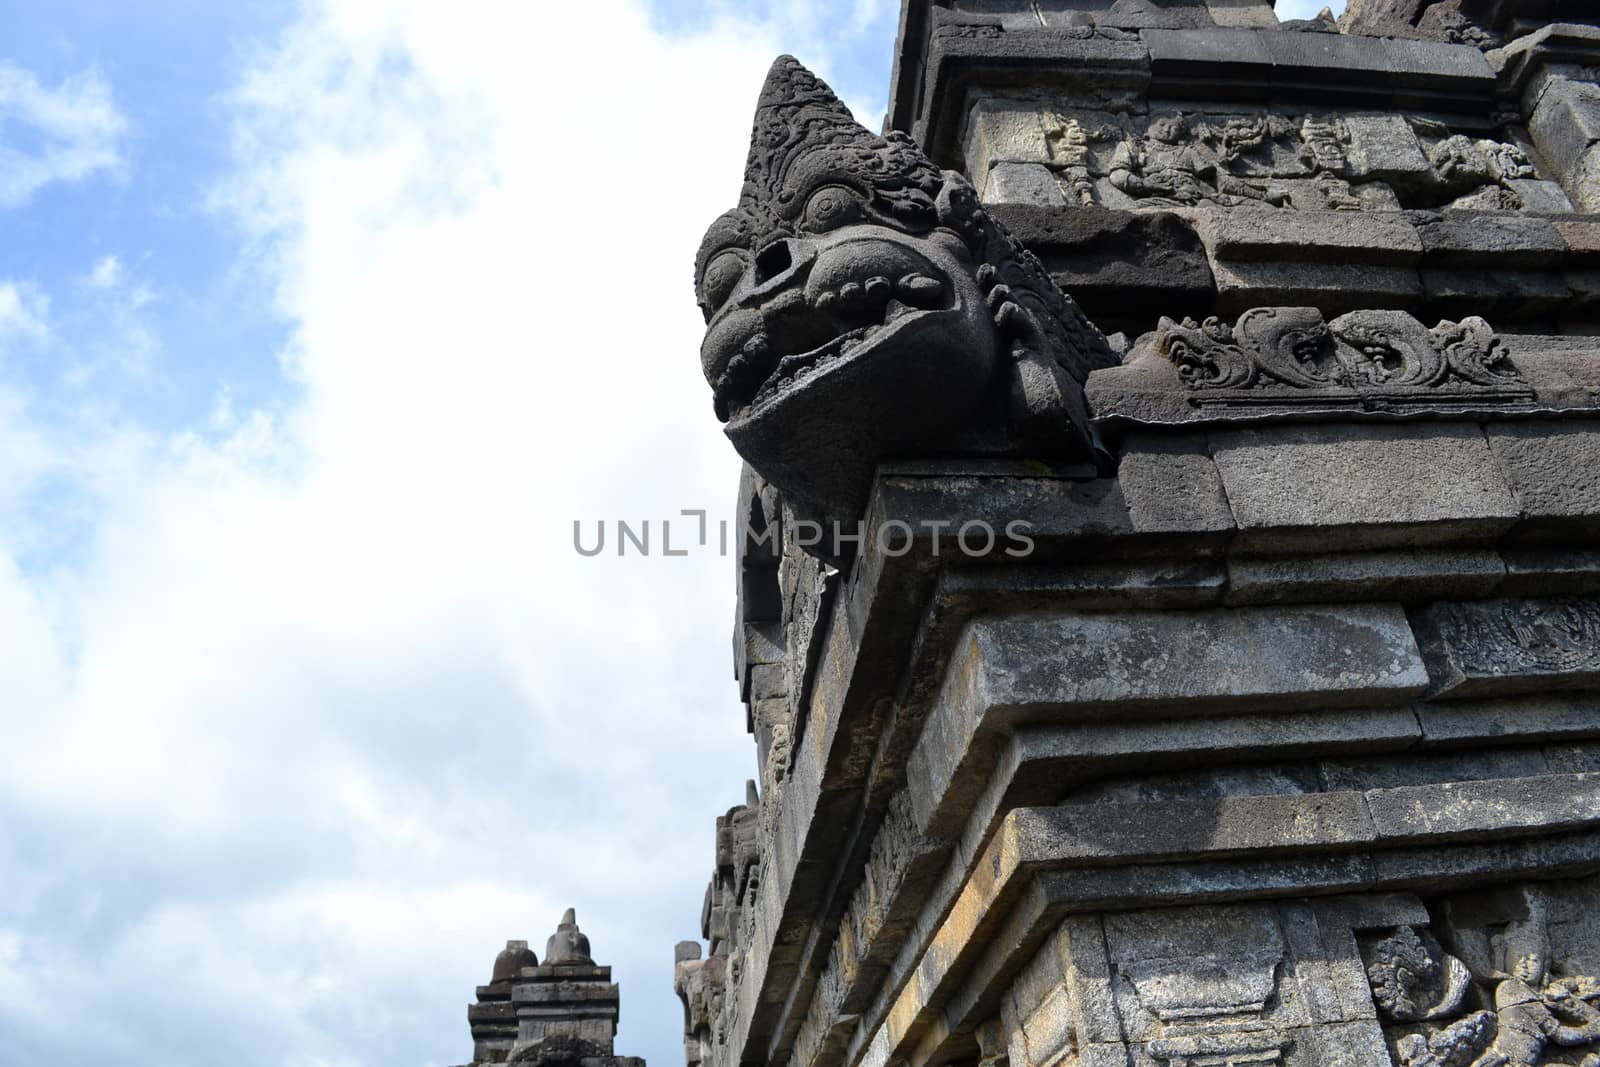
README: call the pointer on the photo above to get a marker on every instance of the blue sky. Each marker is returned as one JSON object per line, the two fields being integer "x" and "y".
{"x": 319, "y": 326}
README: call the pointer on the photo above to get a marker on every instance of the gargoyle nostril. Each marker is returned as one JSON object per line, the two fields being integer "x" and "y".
{"x": 772, "y": 261}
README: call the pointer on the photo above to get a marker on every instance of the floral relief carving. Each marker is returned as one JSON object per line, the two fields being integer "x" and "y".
{"x": 1291, "y": 355}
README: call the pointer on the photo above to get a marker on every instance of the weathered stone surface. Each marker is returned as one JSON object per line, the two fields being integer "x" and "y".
{"x": 1385, "y": 148}
{"x": 1540, "y": 196}
{"x": 1500, "y": 241}
{"x": 1494, "y": 647}
{"x": 1364, "y": 237}
{"x": 1396, "y": 575}
{"x": 1335, "y": 260}
{"x": 1117, "y": 263}
{"x": 1003, "y": 131}
{"x": 1543, "y": 571}
{"x": 1243, "y": 14}
{"x": 1306, "y": 627}
{"x": 1068, "y": 666}
{"x": 1170, "y": 483}
{"x": 1023, "y": 183}
{"x": 1514, "y": 293}
{"x": 1352, "y": 487}
{"x": 1566, "y": 123}
{"x": 1223, "y": 51}
{"x": 1553, "y": 470}
{"x": 1522, "y": 720}
{"x": 1565, "y": 802}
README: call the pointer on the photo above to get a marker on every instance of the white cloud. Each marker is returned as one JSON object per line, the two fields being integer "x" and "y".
{"x": 23, "y": 311}
{"x": 330, "y": 707}
{"x": 106, "y": 272}
{"x": 73, "y": 130}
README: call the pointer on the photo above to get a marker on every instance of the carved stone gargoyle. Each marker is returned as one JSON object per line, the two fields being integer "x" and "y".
{"x": 860, "y": 305}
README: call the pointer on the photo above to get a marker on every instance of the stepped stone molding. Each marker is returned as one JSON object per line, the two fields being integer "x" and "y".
{"x": 1280, "y": 744}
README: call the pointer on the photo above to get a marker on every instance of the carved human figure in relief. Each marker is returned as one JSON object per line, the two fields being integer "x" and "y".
{"x": 1069, "y": 149}
{"x": 1167, "y": 166}
{"x": 1534, "y": 1009}
{"x": 861, "y": 305}
{"x": 1162, "y": 164}
{"x": 1533, "y": 1012}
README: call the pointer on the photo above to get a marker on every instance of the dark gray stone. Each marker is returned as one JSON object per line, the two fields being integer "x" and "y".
{"x": 1354, "y": 487}
{"x": 1119, "y": 265}
{"x": 1061, "y": 668}
{"x": 1520, "y": 721}
{"x": 1398, "y": 575}
{"x": 860, "y": 305}
{"x": 1242, "y": 235}
{"x": 1553, "y": 470}
{"x": 1507, "y": 806}
{"x": 1508, "y": 646}
{"x": 1546, "y": 571}
{"x": 1502, "y": 242}
{"x": 1170, "y": 483}
{"x": 1216, "y": 52}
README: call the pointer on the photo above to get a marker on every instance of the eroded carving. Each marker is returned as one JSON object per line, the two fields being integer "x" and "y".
{"x": 1291, "y": 355}
{"x": 1217, "y": 1000}
{"x": 860, "y": 303}
{"x": 1266, "y": 159}
{"x": 1167, "y": 167}
{"x": 1513, "y": 636}
{"x": 1414, "y": 980}
{"x": 707, "y": 986}
{"x": 1501, "y": 1007}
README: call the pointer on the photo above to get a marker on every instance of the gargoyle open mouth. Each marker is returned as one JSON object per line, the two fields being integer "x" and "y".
{"x": 810, "y": 331}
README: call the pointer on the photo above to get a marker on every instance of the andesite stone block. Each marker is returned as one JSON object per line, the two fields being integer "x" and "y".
{"x": 1553, "y": 470}
{"x": 1246, "y": 234}
{"x": 1385, "y": 575}
{"x": 1023, "y": 183}
{"x": 1479, "y": 648}
{"x": 1385, "y": 148}
{"x": 1171, "y": 483}
{"x": 1498, "y": 241}
{"x": 1346, "y": 487}
{"x": 1298, "y": 693}
{"x": 1065, "y": 666}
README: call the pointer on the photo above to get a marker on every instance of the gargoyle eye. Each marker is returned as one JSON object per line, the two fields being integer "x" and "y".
{"x": 830, "y": 207}
{"x": 721, "y": 275}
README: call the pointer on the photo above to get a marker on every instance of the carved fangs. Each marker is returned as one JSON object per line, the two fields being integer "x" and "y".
{"x": 759, "y": 372}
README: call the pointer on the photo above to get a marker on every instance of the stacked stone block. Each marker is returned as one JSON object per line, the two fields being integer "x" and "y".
{"x": 1280, "y": 744}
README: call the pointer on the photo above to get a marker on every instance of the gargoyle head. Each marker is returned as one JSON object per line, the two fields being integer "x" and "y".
{"x": 860, "y": 305}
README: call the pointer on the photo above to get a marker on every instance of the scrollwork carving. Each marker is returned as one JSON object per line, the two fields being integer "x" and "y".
{"x": 1291, "y": 355}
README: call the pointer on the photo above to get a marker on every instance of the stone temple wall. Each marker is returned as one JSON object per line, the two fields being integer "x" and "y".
{"x": 1209, "y": 673}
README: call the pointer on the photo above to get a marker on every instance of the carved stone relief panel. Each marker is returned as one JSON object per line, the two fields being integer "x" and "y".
{"x": 1494, "y": 978}
{"x": 1209, "y": 986}
{"x": 1262, "y": 159}
{"x": 1291, "y": 356}
{"x": 1503, "y": 978}
{"x": 1489, "y": 647}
